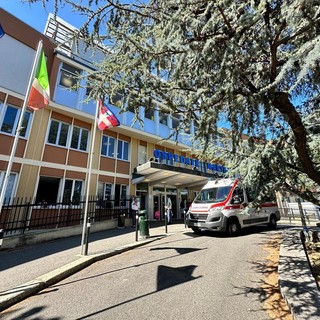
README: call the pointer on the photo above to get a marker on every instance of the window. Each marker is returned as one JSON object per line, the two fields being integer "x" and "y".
{"x": 58, "y": 133}
{"x": 163, "y": 119}
{"x": 72, "y": 191}
{"x": 90, "y": 84}
{"x": 10, "y": 186}
{"x": 120, "y": 194}
{"x": 175, "y": 121}
{"x": 69, "y": 76}
{"x": 107, "y": 191}
{"x": 79, "y": 139}
{"x": 105, "y": 195}
{"x": 123, "y": 150}
{"x": 10, "y": 121}
{"x": 142, "y": 154}
{"x": 116, "y": 99}
{"x": 108, "y": 146}
{"x": 149, "y": 113}
{"x": 48, "y": 189}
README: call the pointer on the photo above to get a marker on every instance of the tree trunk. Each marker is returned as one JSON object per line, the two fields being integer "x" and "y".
{"x": 282, "y": 103}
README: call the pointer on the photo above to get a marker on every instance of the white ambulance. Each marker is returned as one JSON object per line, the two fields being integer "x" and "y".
{"x": 223, "y": 205}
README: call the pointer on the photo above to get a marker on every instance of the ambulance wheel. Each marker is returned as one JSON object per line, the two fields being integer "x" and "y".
{"x": 196, "y": 230}
{"x": 233, "y": 228}
{"x": 273, "y": 222}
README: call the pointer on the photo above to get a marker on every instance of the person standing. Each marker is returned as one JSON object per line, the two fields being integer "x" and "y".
{"x": 134, "y": 208}
{"x": 169, "y": 210}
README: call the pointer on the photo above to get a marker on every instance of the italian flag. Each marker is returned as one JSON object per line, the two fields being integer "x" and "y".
{"x": 39, "y": 96}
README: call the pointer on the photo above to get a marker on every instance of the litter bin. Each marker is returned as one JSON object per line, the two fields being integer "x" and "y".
{"x": 143, "y": 224}
{"x": 121, "y": 221}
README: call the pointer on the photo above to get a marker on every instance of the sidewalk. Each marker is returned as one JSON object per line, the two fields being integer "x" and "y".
{"x": 28, "y": 270}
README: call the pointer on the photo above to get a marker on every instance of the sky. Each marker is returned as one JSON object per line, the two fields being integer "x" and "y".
{"x": 36, "y": 16}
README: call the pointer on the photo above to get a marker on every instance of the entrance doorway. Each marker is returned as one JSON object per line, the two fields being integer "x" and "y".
{"x": 159, "y": 203}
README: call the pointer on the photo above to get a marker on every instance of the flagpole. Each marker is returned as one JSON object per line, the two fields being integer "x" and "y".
{"x": 19, "y": 127}
{"x": 85, "y": 217}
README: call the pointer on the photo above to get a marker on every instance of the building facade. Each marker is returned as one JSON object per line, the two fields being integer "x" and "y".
{"x": 54, "y": 148}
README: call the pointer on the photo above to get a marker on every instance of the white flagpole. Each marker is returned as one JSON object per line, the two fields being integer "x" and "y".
{"x": 85, "y": 217}
{"x": 19, "y": 127}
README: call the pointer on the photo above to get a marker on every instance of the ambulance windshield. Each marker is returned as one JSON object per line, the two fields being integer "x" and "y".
{"x": 214, "y": 195}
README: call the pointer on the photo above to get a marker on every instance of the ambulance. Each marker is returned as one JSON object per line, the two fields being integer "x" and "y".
{"x": 224, "y": 205}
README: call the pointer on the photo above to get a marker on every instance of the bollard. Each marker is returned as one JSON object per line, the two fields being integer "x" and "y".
{"x": 137, "y": 222}
{"x": 121, "y": 221}
{"x": 1, "y": 237}
{"x": 87, "y": 237}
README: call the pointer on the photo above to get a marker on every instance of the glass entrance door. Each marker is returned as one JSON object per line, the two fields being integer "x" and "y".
{"x": 159, "y": 204}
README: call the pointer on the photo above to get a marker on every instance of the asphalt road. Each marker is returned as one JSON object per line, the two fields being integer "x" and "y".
{"x": 183, "y": 276}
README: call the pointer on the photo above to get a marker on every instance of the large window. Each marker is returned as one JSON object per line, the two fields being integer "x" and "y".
{"x": 108, "y": 146}
{"x": 58, "y": 133}
{"x": 105, "y": 195}
{"x": 69, "y": 76}
{"x": 10, "y": 119}
{"x": 123, "y": 150}
{"x": 79, "y": 139}
{"x": 72, "y": 191}
{"x": 48, "y": 189}
{"x": 121, "y": 195}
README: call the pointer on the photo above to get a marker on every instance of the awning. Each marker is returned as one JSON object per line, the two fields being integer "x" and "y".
{"x": 160, "y": 173}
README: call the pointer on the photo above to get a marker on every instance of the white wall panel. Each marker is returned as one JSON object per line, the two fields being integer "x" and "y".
{"x": 15, "y": 64}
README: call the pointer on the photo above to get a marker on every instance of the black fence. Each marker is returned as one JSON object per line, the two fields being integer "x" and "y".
{"x": 23, "y": 215}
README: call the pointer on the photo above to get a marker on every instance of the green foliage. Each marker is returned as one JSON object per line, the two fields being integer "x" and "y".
{"x": 250, "y": 66}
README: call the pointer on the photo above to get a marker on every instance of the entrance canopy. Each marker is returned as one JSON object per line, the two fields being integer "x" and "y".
{"x": 159, "y": 173}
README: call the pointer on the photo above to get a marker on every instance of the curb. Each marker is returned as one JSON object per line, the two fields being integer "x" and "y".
{"x": 296, "y": 282}
{"x": 18, "y": 294}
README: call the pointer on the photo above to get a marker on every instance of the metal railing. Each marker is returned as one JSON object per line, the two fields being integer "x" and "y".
{"x": 23, "y": 215}
{"x": 294, "y": 213}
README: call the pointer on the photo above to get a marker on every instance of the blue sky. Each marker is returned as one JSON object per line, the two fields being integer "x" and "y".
{"x": 36, "y": 16}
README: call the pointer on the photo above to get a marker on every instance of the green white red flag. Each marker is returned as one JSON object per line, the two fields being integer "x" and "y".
{"x": 39, "y": 96}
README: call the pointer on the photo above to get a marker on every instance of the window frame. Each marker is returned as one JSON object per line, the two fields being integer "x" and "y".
{"x": 175, "y": 121}
{"x": 163, "y": 119}
{"x": 58, "y": 133}
{"x": 107, "y": 153}
{"x": 26, "y": 123}
{"x": 80, "y": 136}
{"x": 73, "y": 76}
{"x": 149, "y": 113}
{"x": 123, "y": 149}
{"x": 71, "y": 196}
